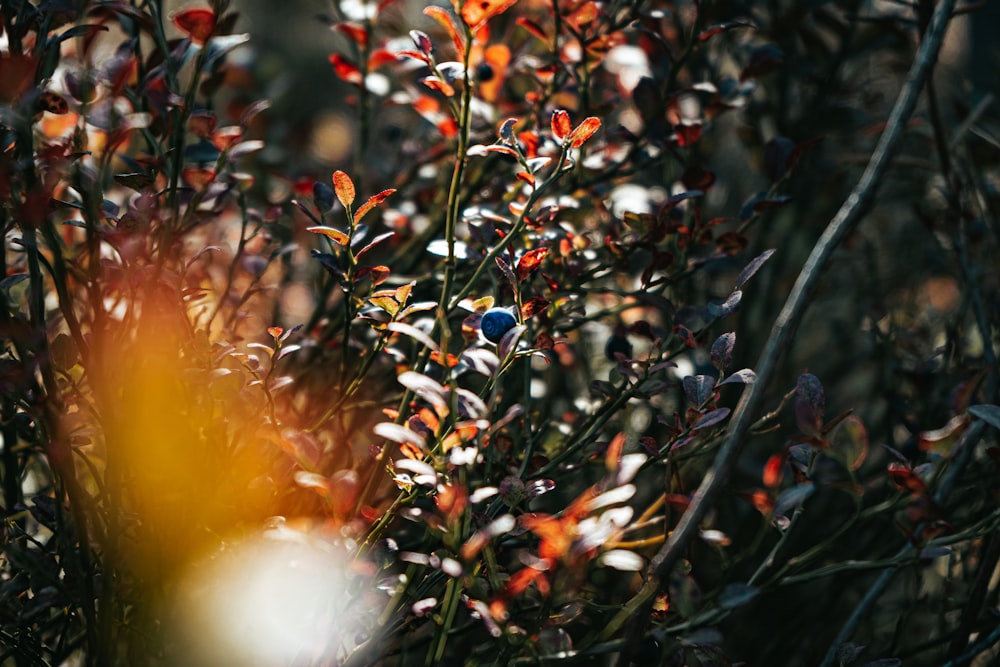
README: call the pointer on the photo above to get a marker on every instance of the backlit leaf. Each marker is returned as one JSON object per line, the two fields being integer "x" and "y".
{"x": 620, "y": 559}
{"x": 344, "y": 187}
{"x": 345, "y": 69}
{"x": 561, "y": 126}
{"x": 476, "y": 13}
{"x": 335, "y": 234}
{"x": 399, "y": 434}
{"x": 774, "y": 470}
{"x": 198, "y": 23}
{"x": 533, "y": 306}
{"x": 354, "y": 31}
{"x": 447, "y": 21}
{"x": 529, "y": 262}
{"x": 440, "y": 85}
{"x": 372, "y": 202}
{"x": 584, "y": 131}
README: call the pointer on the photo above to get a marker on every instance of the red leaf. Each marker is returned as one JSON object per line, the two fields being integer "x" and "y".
{"x": 355, "y": 32}
{"x": 380, "y": 57}
{"x": 533, "y": 306}
{"x": 688, "y": 135}
{"x": 476, "y": 13}
{"x": 410, "y": 53}
{"x": 774, "y": 470}
{"x": 372, "y": 202}
{"x": 907, "y": 480}
{"x": 526, "y": 177}
{"x": 529, "y": 262}
{"x": 584, "y": 131}
{"x": 561, "y": 126}
{"x": 345, "y": 69}
{"x": 448, "y": 22}
{"x": 344, "y": 187}
{"x": 198, "y": 23}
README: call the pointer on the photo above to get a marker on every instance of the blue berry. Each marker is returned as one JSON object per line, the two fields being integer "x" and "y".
{"x": 495, "y": 323}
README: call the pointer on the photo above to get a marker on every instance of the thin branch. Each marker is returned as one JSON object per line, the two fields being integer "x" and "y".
{"x": 856, "y": 205}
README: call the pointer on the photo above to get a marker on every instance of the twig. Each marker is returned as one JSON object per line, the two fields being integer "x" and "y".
{"x": 856, "y": 205}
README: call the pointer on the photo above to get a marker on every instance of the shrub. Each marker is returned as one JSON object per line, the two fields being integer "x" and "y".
{"x": 477, "y": 392}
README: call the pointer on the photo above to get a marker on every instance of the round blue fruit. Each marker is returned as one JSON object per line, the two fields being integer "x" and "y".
{"x": 495, "y": 323}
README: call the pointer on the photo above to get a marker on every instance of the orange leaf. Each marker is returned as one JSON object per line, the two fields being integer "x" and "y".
{"x": 344, "y": 187}
{"x": 334, "y": 234}
{"x": 584, "y": 131}
{"x": 198, "y": 23}
{"x": 275, "y": 331}
{"x": 613, "y": 455}
{"x": 410, "y": 53}
{"x": 372, "y": 202}
{"x": 438, "y": 84}
{"x": 561, "y": 126}
{"x": 774, "y": 470}
{"x": 451, "y": 359}
{"x": 526, "y": 177}
{"x": 345, "y": 69}
{"x": 379, "y": 274}
{"x": 448, "y": 22}
{"x": 476, "y": 13}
